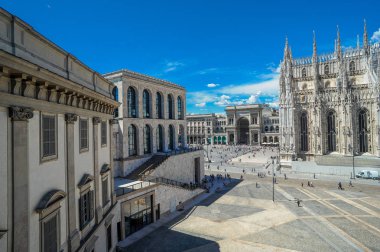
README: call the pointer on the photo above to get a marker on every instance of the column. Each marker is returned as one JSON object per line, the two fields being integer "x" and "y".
{"x": 95, "y": 134}
{"x": 20, "y": 159}
{"x": 74, "y": 238}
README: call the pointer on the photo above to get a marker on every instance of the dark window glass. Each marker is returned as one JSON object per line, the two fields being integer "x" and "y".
{"x": 146, "y": 104}
{"x": 170, "y": 107}
{"x": 83, "y": 133}
{"x": 132, "y": 140}
{"x": 109, "y": 238}
{"x": 104, "y": 133}
{"x": 131, "y": 100}
{"x": 331, "y": 133}
{"x": 159, "y": 138}
{"x": 48, "y": 136}
{"x": 304, "y": 132}
{"x": 171, "y": 137}
{"x": 363, "y": 131}
{"x": 147, "y": 140}
{"x": 50, "y": 236}
{"x": 86, "y": 208}
{"x": 105, "y": 191}
{"x": 179, "y": 108}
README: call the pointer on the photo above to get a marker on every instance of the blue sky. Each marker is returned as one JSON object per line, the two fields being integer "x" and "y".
{"x": 223, "y": 52}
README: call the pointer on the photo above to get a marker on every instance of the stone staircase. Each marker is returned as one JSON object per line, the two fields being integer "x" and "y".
{"x": 146, "y": 168}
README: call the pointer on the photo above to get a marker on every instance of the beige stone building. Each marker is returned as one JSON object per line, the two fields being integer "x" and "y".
{"x": 56, "y": 165}
{"x": 206, "y": 129}
{"x": 155, "y": 170}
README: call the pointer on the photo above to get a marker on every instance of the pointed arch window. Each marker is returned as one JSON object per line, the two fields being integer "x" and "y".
{"x": 146, "y": 104}
{"x": 147, "y": 140}
{"x": 352, "y": 67}
{"x": 159, "y": 139}
{"x": 179, "y": 108}
{"x": 327, "y": 69}
{"x": 159, "y": 105}
{"x": 131, "y": 101}
{"x": 331, "y": 132}
{"x": 363, "y": 131}
{"x": 170, "y": 107}
{"x": 304, "y": 132}
{"x": 303, "y": 72}
{"x": 132, "y": 140}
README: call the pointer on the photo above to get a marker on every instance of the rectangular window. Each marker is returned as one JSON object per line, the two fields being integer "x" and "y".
{"x": 86, "y": 208}
{"x": 109, "y": 238}
{"x": 50, "y": 234}
{"x": 48, "y": 132}
{"x": 83, "y": 134}
{"x": 104, "y": 133}
{"x": 105, "y": 191}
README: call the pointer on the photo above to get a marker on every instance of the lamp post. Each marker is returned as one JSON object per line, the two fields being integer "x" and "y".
{"x": 273, "y": 158}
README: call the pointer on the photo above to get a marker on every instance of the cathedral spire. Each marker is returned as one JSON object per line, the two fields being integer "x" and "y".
{"x": 338, "y": 47}
{"x": 314, "y": 48}
{"x": 365, "y": 36}
{"x": 286, "y": 49}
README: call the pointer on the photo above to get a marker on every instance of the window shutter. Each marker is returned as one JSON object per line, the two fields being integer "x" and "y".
{"x": 91, "y": 205}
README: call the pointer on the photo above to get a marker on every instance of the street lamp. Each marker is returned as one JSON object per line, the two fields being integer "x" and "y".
{"x": 273, "y": 158}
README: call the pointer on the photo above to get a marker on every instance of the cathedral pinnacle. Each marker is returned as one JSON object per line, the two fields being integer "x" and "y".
{"x": 314, "y": 48}
{"x": 338, "y": 47}
{"x": 357, "y": 42}
{"x": 365, "y": 36}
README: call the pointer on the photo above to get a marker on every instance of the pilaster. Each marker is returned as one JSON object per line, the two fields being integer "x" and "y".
{"x": 74, "y": 238}
{"x": 20, "y": 160}
{"x": 95, "y": 133}
{"x": 114, "y": 123}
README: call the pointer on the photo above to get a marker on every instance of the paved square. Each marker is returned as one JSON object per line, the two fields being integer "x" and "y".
{"x": 244, "y": 218}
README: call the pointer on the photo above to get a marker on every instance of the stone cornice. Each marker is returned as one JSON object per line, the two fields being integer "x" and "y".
{"x": 20, "y": 113}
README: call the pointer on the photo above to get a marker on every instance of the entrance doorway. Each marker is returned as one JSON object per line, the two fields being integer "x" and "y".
{"x": 243, "y": 130}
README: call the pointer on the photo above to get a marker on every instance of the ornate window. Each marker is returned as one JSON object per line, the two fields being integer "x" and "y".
{"x": 171, "y": 137}
{"x": 265, "y": 139}
{"x": 105, "y": 199}
{"x": 179, "y": 108}
{"x": 86, "y": 208}
{"x": 331, "y": 133}
{"x": 159, "y": 138}
{"x": 132, "y": 140}
{"x": 147, "y": 140}
{"x": 303, "y": 72}
{"x": 266, "y": 129}
{"x": 352, "y": 67}
{"x": 277, "y": 129}
{"x": 159, "y": 105}
{"x": 363, "y": 131}
{"x": 327, "y": 69}
{"x": 132, "y": 102}
{"x": 304, "y": 132}
{"x": 146, "y": 104}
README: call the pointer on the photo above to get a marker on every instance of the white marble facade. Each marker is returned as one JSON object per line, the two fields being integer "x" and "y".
{"x": 330, "y": 104}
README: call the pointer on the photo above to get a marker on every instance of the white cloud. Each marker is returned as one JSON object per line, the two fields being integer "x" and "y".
{"x": 200, "y": 105}
{"x": 172, "y": 66}
{"x": 376, "y": 36}
{"x": 223, "y": 100}
{"x": 212, "y": 85}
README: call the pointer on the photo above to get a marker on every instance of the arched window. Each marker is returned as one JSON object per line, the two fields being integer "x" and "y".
{"x": 170, "y": 107}
{"x": 146, "y": 104}
{"x": 171, "y": 137}
{"x": 179, "y": 108}
{"x": 158, "y": 105}
{"x": 304, "y": 132}
{"x": 159, "y": 138}
{"x": 265, "y": 139}
{"x": 180, "y": 136}
{"x": 132, "y": 102}
{"x": 115, "y": 93}
{"x": 327, "y": 69}
{"x": 352, "y": 66}
{"x": 327, "y": 84}
{"x": 271, "y": 128}
{"x": 132, "y": 140}
{"x": 363, "y": 131}
{"x": 303, "y": 72}
{"x": 147, "y": 140}
{"x": 266, "y": 128}
{"x": 277, "y": 129}
{"x": 276, "y": 139}
{"x": 271, "y": 139}
{"x": 331, "y": 133}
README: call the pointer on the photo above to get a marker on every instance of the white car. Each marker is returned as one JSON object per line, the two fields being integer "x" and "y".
{"x": 368, "y": 174}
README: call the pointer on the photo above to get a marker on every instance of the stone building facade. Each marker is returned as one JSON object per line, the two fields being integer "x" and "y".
{"x": 255, "y": 124}
{"x": 56, "y": 165}
{"x": 330, "y": 104}
{"x": 151, "y": 118}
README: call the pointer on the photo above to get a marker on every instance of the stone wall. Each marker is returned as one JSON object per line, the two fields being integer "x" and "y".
{"x": 180, "y": 167}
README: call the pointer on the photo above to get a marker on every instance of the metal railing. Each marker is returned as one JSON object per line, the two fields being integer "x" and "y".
{"x": 124, "y": 190}
{"x": 160, "y": 180}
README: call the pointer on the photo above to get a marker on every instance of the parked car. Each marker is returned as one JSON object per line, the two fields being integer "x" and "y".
{"x": 367, "y": 174}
